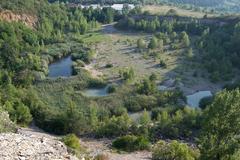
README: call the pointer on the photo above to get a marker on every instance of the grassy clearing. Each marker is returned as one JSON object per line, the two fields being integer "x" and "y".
{"x": 92, "y": 37}
{"x": 163, "y": 9}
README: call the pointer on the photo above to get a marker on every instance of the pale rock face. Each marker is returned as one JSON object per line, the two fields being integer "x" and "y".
{"x": 22, "y": 146}
{"x": 28, "y": 20}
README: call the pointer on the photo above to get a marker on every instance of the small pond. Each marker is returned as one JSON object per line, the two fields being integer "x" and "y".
{"x": 162, "y": 88}
{"x": 194, "y": 99}
{"x": 61, "y": 68}
{"x": 96, "y": 92}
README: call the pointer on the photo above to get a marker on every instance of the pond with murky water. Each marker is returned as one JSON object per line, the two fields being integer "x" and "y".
{"x": 61, "y": 68}
{"x": 194, "y": 99}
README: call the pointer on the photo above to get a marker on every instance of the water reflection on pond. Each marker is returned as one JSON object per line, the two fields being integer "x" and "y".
{"x": 61, "y": 68}
{"x": 194, "y": 99}
{"x": 162, "y": 88}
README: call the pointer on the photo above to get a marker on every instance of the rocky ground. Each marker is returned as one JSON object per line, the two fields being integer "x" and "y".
{"x": 34, "y": 144}
{"x": 27, "y": 144}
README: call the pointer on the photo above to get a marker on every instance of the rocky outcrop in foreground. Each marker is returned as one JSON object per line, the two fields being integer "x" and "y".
{"x": 26, "y": 145}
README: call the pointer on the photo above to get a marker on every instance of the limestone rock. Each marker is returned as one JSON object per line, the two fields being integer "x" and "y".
{"x": 31, "y": 146}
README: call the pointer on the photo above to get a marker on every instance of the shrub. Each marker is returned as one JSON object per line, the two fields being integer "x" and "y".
{"x": 85, "y": 56}
{"x": 116, "y": 126}
{"x": 6, "y": 125}
{"x": 127, "y": 74}
{"x": 22, "y": 114}
{"x": 72, "y": 141}
{"x": 131, "y": 143}
{"x": 96, "y": 83}
{"x": 146, "y": 87}
{"x": 177, "y": 123}
{"x": 153, "y": 77}
{"x": 141, "y": 44}
{"x": 109, "y": 65}
{"x": 162, "y": 64}
{"x": 153, "y": 43}
{"x": 112, "y": 89}
{"x": 139, "y": 102}
{"x": 174, "y": 150}
{"x": 204, "y": 102}
{"x": 118, "y": 111}
{"x": 172, "y": 12}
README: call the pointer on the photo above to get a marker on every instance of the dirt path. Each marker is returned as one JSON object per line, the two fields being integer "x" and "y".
{"x": 94, "y": 72}
{"x": 102, "y": 147}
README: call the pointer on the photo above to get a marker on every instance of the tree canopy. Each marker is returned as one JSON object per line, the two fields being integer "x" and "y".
{"x": 221, "y": 127}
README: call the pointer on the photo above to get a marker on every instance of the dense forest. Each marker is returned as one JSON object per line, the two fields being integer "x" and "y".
{"x": 173, "y": 130}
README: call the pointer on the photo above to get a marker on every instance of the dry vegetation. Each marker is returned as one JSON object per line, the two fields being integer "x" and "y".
{"x": 163, "y": 9}
{"x": 120, "y": 50}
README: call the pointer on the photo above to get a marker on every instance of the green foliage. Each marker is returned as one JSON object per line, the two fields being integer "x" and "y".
{"x": 162, "y": 64}
{"x": 109, "y": 65}
{"x": 221, "y": 51}
{"x": 86, "y": 55}
{"x": 139, "y": 102}
{"x": 145, "y": 119}
{"x": 6, "y": 125}
{"x": 185, "y": 39}
{"x": 205, "y": 102}
{"x": 153, "y": 77}
{"x": 219, "y": 138}
{"x": 131, "y": 143}
{"x": 112, "y": 89}
{"x": 14, "y": 40}
{"x": 72, "y": 141}
{"x": 177, "y": 123}
{"x": 174, "y": 150}
{"x": 162, "y": 24}
{"x": 153, "y": 44}
{"x": 172, "y": 12}
{"x": 146, "y": 87}
{"x": 22, "y": 114}
{"x": 127, "y": 74}
{"x": 115, "y": 126}
{"x": 144, "y": 124}
{"x": 190, "y": 53}
{"x": 15, "y": 104}
{"x": 141, "y": 44}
